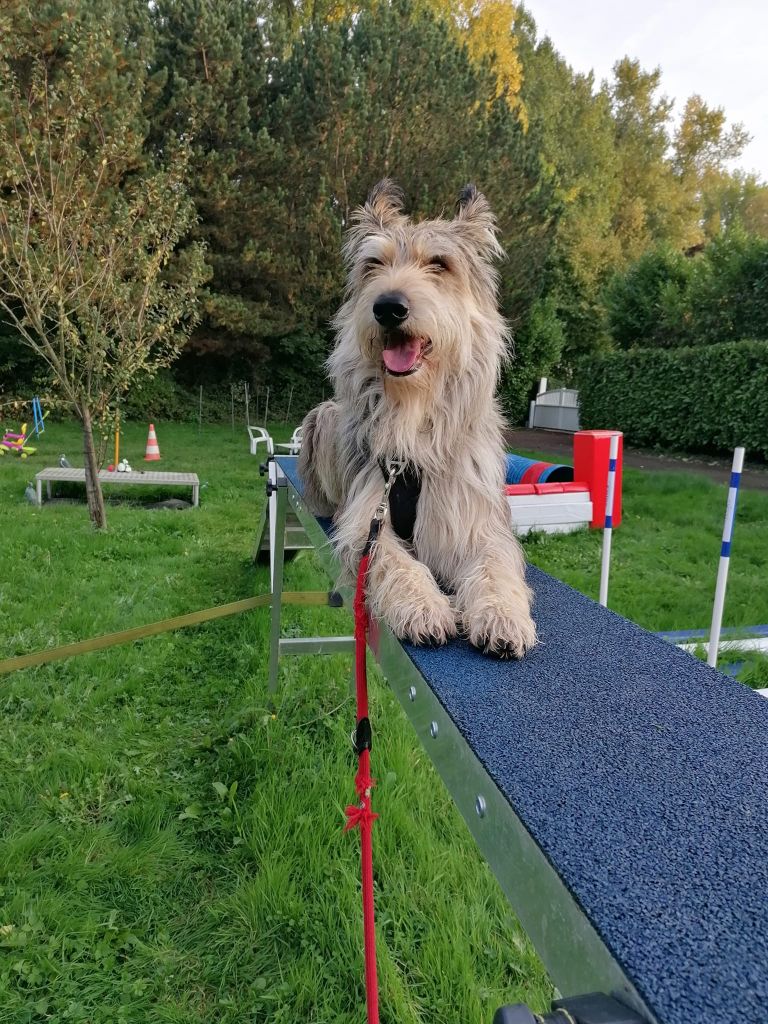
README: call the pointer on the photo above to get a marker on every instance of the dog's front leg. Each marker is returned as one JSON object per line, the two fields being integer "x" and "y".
{"x": 402, "y": 591}
{"x": 404, "y": 594}
{"x": 492, "y": 595}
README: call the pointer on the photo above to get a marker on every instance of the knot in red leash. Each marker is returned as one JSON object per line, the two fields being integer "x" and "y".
{"x": 359, "y": 816}
{"x": 363, "y": 785}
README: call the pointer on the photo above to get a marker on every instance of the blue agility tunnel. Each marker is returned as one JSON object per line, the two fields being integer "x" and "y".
{"x": 527, "y": 471}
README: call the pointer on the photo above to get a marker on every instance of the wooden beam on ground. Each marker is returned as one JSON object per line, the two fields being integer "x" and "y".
{"x": 126, "y": 636}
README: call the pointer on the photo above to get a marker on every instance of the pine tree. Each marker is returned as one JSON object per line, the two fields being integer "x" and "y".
{"x": 394, "y": 94}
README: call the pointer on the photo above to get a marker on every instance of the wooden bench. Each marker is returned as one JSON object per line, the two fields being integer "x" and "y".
{"x": 615, "y": 784}
{"x": 136, "y": 477}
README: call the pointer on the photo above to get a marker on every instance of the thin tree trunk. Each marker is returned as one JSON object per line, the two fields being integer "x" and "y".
{"x": 93, "y": 491}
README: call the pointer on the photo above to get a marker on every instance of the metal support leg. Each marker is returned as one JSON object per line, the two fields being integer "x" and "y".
{"x": 262, "y": 532}
{"x": 267, "y": 521}
{"x": 278, "y": 546}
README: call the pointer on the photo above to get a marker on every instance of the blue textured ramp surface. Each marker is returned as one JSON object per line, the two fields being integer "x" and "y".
{"x": 641, "y": 773}
{"x": 643, "y": 776}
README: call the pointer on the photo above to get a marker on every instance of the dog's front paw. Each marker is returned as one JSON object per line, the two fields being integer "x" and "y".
{"x": 503, "y": 632}
{"x": 425, "y": 621}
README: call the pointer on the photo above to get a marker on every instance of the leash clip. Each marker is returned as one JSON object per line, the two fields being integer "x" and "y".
{"x": 393, "y": 470}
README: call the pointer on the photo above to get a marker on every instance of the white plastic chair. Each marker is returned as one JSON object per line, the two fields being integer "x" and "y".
{"x": 293, "y": 447}
{"x": 259, "y": 435}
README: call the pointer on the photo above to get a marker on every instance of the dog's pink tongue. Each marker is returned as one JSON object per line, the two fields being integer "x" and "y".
{"x": 402, "y": 358}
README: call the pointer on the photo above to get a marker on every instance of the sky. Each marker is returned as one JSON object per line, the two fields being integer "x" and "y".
{"x": 717, "y": 50}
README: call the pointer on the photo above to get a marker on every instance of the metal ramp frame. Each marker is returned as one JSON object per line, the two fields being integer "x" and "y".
{"x": 614, "y": 784}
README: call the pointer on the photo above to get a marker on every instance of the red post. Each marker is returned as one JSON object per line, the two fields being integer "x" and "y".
{"x": 590, "y": 465}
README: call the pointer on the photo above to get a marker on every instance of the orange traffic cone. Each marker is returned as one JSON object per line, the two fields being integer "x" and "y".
{"x": 153, "y": 449}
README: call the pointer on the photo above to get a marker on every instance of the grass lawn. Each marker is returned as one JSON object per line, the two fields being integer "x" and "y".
{"x": 171, "y": 849}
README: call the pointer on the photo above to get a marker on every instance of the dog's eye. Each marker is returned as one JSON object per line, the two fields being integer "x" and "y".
{"x": 438, "y": 264}
{"x": 371, "y": 265}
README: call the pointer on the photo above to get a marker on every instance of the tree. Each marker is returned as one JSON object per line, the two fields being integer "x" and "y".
{"x": 485, "y": 27}
{"x": 89, "y": 226}
{"x": 214, "y": 64}
{"x": 577, "y": 132}
{"x": 653, "y": 205}
{"x": 649, "y": 304}
{"x": 296, "y": 126}
{"x": 730, "y": 198}
{"x": 702, "y": 143}
{"x": 351, "y": 104}
{"x": 729, "y": 291}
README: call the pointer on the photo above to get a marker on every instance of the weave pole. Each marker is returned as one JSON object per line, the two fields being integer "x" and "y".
{"x": 605, "y": 565}
{"x": 725, "y": 556}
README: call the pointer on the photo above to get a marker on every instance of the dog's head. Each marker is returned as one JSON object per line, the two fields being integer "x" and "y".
{"x": 421, "y": 302}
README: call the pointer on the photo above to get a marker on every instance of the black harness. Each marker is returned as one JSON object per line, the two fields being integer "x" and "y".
{"x": 403, "y": 499}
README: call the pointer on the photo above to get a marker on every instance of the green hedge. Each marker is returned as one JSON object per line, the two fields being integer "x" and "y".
{"x": 693, "y": 399}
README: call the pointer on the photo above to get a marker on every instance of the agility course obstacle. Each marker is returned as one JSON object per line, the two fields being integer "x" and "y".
{"x": 610, "y": 500}
{"x": 725, "y": 556}
{"x": 614, "y": 783}
{"x": 560, "y": 499}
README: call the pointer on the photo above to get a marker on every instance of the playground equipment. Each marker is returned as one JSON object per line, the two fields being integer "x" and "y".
{"x": 38, "y": 417}
{"x": 749, "y": 638}
{"x": 122, "y": 477}
{"x": 17, "y": 443}
{"x": 614, "y": 785}
{"x": 610, "y": 500}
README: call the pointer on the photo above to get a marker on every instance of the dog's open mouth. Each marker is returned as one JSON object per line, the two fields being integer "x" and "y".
{"x": 402, "y": 353}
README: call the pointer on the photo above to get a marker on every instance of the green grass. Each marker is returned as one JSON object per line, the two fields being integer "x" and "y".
{"x": 171, "y": 848}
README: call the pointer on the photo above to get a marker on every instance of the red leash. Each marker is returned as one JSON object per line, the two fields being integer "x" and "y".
{"x": 360, "y": 815}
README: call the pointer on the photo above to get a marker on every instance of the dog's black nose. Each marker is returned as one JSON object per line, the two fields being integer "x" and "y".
{"x": 390, "y": 309}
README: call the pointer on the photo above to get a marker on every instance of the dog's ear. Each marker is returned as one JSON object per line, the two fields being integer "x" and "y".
{"x": 477, "y": 222}
{"x": 383, "y": 207}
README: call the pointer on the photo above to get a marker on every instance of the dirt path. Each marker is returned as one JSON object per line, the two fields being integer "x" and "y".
{"x": 559, "y": 445}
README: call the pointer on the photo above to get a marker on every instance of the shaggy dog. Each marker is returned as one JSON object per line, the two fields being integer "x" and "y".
{"x": 420, "y": 343}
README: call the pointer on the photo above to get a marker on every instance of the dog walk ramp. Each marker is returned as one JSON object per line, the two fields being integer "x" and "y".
{"x": 617, "y": 788}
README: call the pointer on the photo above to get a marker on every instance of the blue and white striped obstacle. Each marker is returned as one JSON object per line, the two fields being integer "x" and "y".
{"x": 725, "y": 556}
{"x": 615, "y": 785}
{"x": 743, "y": 639}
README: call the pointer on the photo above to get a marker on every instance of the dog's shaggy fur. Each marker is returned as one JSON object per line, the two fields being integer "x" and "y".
{"x": 419, "y": 386}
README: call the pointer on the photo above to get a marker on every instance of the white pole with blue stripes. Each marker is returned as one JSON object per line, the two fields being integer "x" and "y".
{"x": 605, "y": 565}
{"x": 725, "y": 557}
